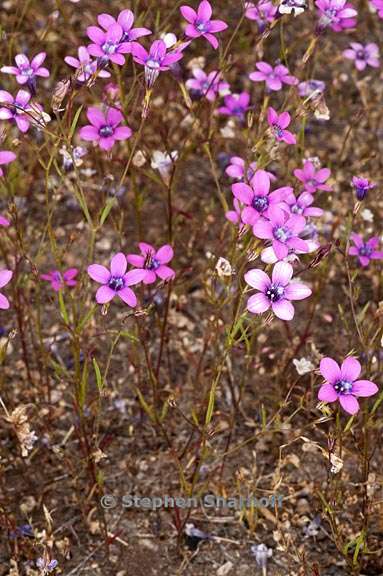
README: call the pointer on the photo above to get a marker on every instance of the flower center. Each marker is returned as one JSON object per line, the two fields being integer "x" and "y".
{"x": 277, "y": 130}
{"x": 282, "y": 234}
{"x": 260, "y": 203}
{"x": 106, "y": 131}
{"x": 27, "y": 71}
{"x": 360, "y": 55}
{"x": 116, "y": 283}
{"x": 296, "y": 209}
{"x": 343, "y": 387}
{"x": 109, "y": 47}
{"x": 365, "y": 250}
{"x": 57, "y": 276}
{"x": 275, "y": 292}
{"x": 202, "y": 26}
{"x": 152, "y": 263}
{"x": 151, "y": 63}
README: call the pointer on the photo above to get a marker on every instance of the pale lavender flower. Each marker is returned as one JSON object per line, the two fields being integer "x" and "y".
{"x": 302, "y": 205}
{"x": 363, "y": 56}
{"x": 85, "y": 66}
{"x": 263, "y": 13}
{"x": 235, "y": 105}
{"x": 311, "y": 88}
{"x": 274, "y": 77}
{"x": 59, "y": 280}
{"x": 26, "y": 71}
{"x": 207, "y": 85}
{"x": 15, "y": 108}
{"x": 365, "y": 251}
{"x": 313, "y": 179}
{"x": 339, "y": 15}
{"x": 278, "y": 124}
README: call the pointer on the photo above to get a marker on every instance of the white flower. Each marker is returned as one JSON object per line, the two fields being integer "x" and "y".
{"x": 367, "y": 215}
{"x": 294, "y": 7}
{"x": 228, "y": 130}
{"x": 262, "y": 553}
{"x": 223, "y": 267}
{"x": 162, "y": 161}
{"x": 169, "y": 39}
{"x": 303, "y": 366}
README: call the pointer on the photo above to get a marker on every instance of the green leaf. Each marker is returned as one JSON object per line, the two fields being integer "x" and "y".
{"x": 99, "y": 379}
{"x": 74, "y": 122}
{"x": 107, "y": 208}
{"x": 63, "y": 310}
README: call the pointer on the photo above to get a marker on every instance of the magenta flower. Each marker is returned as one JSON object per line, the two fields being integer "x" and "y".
{"x": 4, "y": 221}
{"x": 85, "y": 66}
{"x": 278, "y": 123}
{"x": 274, "y": 77}
{"x": 337, "y": 14}
{"x": 156, "y": 60}
{"x": 235, "y": 105}
{"x": 5, "y": 158}
{"x": 302, "y": 205}
{"x": 5, "y": 276}
{"x": 275, "y": 293}
{"x": 116, "y": 281}
{"x": 378, "y": 6}
{"x": 365, "y": 251}
{"x": 15, "y": 108}
{"x": 234, "y": 216}
{"x": 200, "y": 23}
{"x": 153, "y": 262}
{"x": 108, "y": 45}
{"x": 26, "y": 71}
{"x": 237, "y": 166}
{"x": 342, "y": 384}
{"x": 105, "y": 128}
{"x": 362, "y": 186}
{"x": 313, "y": 179}
{"x": 207, "y": 85}
{"x": 283, "y": 230}
{"x": 58, "y": 280}
{"x": 363, "y": 56}
{"x": 125, "y": 19}
{"x": 311, "y": 87}
{"x": 263, "y": 13}
{"x": 257, "y": 197}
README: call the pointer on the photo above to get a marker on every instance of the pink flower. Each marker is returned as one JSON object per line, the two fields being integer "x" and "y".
{"x": 234, "y": 216}
{"x": 278, "y": 123}
{"x": 5, "y": 158}
{"x": 275, "y": 293}
{"x": 15, "y": 108}
{"x": 302, "y": 205}
{"x": 274, "y": 77}
{"x": 26, "y": 71}
{"x": 58, "y": 280}
{"x": 125, "y": 19}
{"x": 156, "y": 60}
{"x": 342, "y": 384}
{"x": 365, "y": 251}
{"x": 337, "y": 14}
{"x": 363, "y": 56}
{"x": 108, "y": 45}
{"x": 257, "y": 197}
{"x": 263, "y": 13}
{"x": 378, "y": 5}
{"x": 313, "y": 179}
{"x": 207, "y": 85}
{"x": 85, "y": 66}
{"x": 4, "y": 221}
{"x": 200, "y": 23}
{"x": 116, "y": 281}
{"x": 235, "y": 105}
{"x": 5, "y": 276}
{"x": 105, "y": 128}
{"x": 153, "y": 262}
{"x": 283, "y": 230}
{"x": 237, "y": 166}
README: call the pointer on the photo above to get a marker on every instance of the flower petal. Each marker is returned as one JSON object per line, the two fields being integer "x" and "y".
{"x": 282, "y": 273}
{"x": 297, "y": 291}
{"x": 283, "y": 309}
{"x": 349, "y": 403}
{"x": 128, "y": 296}
{"x": 165, "y": 254}
{"x": 327, "y": 393}
{"x": 118, "y": 265}
{"x": 258, "y": 303}
{"x": 104, "y": 294}
{"x": 330, "y": 370}
{"x": 99, "y": 273}
{"x": 257, "y": 279}
{"x": 350, "y": 369}
{"x": 364, "y": 388}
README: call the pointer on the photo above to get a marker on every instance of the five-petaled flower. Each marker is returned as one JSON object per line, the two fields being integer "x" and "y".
{"x": 116, "y": 281}
{"x": 105, "y": 128}
{"x": 275, "y": 293}
{"x": 363, "y": 56}
{"x": 59, "y": 280}
{"x": 365, "y": 251}
{"x": 313, "y": 179}
{"x": 108, "y": 45}
{"x": 125, "y": 19}
{"x": 5, "y": 277}
{"x": 274, "y": 77}
{"x": 200, "y": 23}
{"x": 342, "y": 384}
{"x": 302, "y": 205}
{"x": 207, "y": 85}
{"x": 156, "y": 60}
{"x": 26, "y": 71}
{"x": 278, "y": 123}
{"x": 235, "y": 105}
{"x": 337, "y": 14}
{"x": 5, "y": 158}
{"x": 153, "y": 262}
{"x": 263, "y": 13}
{"x": 85, "y": 66}
{"x": 15, "y": 108}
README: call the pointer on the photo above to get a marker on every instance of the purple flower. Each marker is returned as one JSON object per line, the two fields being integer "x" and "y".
{"x": 5, "y": 158}
{"x": 58, "y": 280}
{"x": 378, "y": 6}
{"x": 116, "y": 281}
{"x": 234, "y": 216}
{"x": 85, "y": 66}
{"x": 208, "y": 85}
{"x": 338, "y": 14}
{"x": 310, "y": 88}
{"x": 4, "y": 221}
{"x": 342, "y": 384}
{"x": 257, "y": 197}
{"x": 268, "y": 255}
{"x": 274, "y": 77}
{"x": 5, "y": 276}
{"x": 235, "y": 105}
{"x": 153, "y": 262}
{"x": 125, "y": 19}
{"x": 278, "y": 123}
{"x": 283, "y": 230}
{"x": 363, "y": 56}
{"x": 275, "y": 293}
{"x": 26, "y": 71}
{"x": 313, "y": 179}
{"x": 263, "y": 13}
{"x": 365, "y": 251}
{"x": 200, "y": 23}
{"x": 156, "y": 60}
{"x": 302, "y": 205}
{"x": 108, "y": 45}
{"x": 362, "y": 186}
{"x": 237, "y": 166}
{"x": 15, "y": 108}
{"x": 105, "y": 128}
